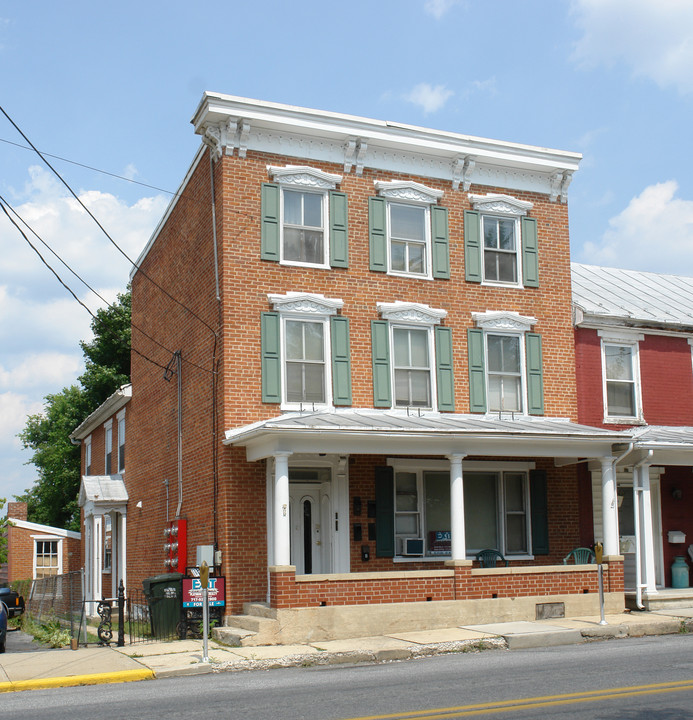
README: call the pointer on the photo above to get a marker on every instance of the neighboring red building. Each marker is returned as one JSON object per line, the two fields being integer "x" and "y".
{"x": 353, "y": 369}
{"x": 633, "y": 337}
{"x": 35, "y": 550}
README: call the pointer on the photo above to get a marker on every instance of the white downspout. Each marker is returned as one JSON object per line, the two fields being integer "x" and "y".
{"x": 637, "y": 499}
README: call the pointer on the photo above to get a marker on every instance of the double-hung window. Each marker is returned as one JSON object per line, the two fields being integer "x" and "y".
{"x": 305, "y": 352}
{"x": 304, "y": 219}
{"x": 108, "y": 445}
{"x": 505, "y": 364}
{"x": 47, "y": 559}
{"x": 87, "y": 456}
{"x": 500, "y": 242}
{"x": 621, "y": 376}
{"x": 121, "y": 441}
{"x": 412, "y": 357}
{"x": 408, "y": 231}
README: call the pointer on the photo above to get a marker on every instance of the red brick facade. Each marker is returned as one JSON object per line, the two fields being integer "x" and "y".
{"x": 224, "y": 496}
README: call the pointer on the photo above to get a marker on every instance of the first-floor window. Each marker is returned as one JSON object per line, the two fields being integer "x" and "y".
{"x": 305, "y": 361}
{"x": 412, "y": 367}
{"x": 107, "y": 543}
{"x": 504, "y": 365}
{"x": 47, "y": 558}
{"x": 496, "y": 510}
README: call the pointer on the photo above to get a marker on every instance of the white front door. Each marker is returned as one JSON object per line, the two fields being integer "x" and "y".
{"x": 309, "y": 515}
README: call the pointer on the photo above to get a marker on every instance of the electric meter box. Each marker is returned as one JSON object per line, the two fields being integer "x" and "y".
{"x": 205, "y": 553}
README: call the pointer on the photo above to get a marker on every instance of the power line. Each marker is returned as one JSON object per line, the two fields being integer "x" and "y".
{"x": 5, "y": 205}
{"x": 113, "y": 242}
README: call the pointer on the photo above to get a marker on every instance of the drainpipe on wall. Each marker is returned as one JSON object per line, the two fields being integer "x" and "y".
{"x": 637, "y": 502}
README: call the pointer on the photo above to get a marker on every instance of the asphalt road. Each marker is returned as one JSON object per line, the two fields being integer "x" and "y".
{"x": 634, "y": 679}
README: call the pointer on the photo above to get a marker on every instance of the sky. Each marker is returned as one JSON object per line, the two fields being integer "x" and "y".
{"x": 108, "y": 91}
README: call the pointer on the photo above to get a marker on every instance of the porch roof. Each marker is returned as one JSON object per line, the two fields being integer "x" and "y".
{"x": 369, "y": 431}
{"x": 99, "y": 494}
{"x": 670, "y": 445}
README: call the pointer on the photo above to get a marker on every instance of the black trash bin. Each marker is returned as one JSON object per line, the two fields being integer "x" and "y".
{"x": 165, "y": 600}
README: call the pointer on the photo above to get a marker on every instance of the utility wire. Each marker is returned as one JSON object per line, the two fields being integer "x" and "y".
{"x": 113, "y": 242}
{"x": 5, "y": 205}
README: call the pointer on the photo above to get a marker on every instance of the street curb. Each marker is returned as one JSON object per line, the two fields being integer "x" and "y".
{"x": 76, "y": 680}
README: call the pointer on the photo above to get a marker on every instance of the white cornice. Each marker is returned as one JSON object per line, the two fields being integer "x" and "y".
{"x": 106, "y": 410}
{"x": 409, "y": 191}
{"x": 305, "y": 304}
{"x": 504, "y": 320}
{"x": 497, "y": 203}
{"x": 357, "y": 142}
{"x": 411, "y": 313}
{"x": 304, "y": 176}
{"x": 45, "y": 529}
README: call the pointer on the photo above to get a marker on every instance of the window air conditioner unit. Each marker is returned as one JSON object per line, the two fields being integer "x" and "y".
{"x": 410, "y": 546}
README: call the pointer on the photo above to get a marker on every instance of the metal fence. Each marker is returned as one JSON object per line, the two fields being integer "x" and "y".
{"x": 58, "y": 598}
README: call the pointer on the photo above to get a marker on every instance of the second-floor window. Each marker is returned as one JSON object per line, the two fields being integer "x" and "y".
{"x": 411, "y": 367}
{"x": 304, "y": 366}
{"x": 620, "y": 378}
{"x": 121, "y": 443}
{"x": 108, "y": 443}
{"x": 504, "y": 368}
{"x": 87, "y": 456}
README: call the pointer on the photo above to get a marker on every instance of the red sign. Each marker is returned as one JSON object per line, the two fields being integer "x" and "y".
{"x": 192, "y": 592}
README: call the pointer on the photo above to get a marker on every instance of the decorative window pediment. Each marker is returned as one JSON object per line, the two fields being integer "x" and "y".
{"x": 411, "y": 313}
{"x": 305, "y": 304}
{"x": 304, "y": 176}
{"x": 408, "y": 191}
{"x": 504, "y": 320}
{"x": 500, "y": 204}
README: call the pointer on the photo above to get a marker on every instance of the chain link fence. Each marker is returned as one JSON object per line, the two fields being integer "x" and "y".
{"x": 57, "y": 598}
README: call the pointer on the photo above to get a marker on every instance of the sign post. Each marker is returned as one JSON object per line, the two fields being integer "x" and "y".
{"x": 204, "y": 581}
{"x": 598, "y": 553}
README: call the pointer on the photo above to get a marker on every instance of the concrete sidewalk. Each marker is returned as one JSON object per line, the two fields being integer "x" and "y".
{"x": 91, "y": 665}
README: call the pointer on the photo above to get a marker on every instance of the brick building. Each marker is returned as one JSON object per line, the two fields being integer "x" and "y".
{"x": 35, "y": 550}
{"x": 103, "y": 498}
{"x": 353, "y": 370}
{"x": 633, "y": 338}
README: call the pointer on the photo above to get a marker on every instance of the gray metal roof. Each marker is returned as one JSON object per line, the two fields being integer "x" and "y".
{"x": 663, "y": 436}
{"x": 639, "y": 298}
{"x": 101, "y": 489}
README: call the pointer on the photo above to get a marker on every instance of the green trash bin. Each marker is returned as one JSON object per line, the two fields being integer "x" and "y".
{"x": 164, "y": 597}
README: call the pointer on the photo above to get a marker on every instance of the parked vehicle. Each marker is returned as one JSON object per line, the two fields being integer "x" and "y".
{"x": 3, "y": 626}
{"x": 13, "y": 600}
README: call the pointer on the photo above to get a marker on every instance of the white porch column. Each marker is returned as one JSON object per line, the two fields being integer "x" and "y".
{"x": 282, "y": 528}
{"x": 641, "y": 484}
{"x": 121, "y": 559}
{"x": 88, "y": 555}
{"x": 609, "y": 507}
{"x": 458, "y": 544}
{"x": 97, "y": 562}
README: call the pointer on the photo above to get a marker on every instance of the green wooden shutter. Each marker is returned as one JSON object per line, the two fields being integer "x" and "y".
{"x": 530, "y": 253}
{"x": 535, "y": 377}
{"x": 380, "y": 348}
{"x": 444, "y": 370}
{"x": 339, "y": 243}
{"x": 377, "y": 234}
{"x": 270, "y": 222}
{"x": 440, "y": 244}
{"x": 384, "y": 512}
{"x": 477, "y": 370}
{"x": 540, "y": 511}
{"x": 341, "y": 360}
{"x": 472, "y": 246}
{"x": 271, "y": 358}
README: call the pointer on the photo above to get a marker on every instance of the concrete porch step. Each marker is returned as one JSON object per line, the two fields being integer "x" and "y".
{"x": 247, "y": 631}
{"x": 232, "y": 636}
{"x": 259, "y": 610}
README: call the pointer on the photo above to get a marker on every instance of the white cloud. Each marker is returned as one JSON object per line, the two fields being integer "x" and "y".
{"x": 438, "y": 8}
{"x": 14, "y": 409}
{"x": 50, "y": 369}
{"x": 428, "y": 97}
{"x": 655, "y": 39}
{"x": 654, "y": 233}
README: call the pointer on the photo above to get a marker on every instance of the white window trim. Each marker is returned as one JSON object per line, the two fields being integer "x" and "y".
{"x": 108, "y": 445}
{"x": 412, "y": 316}
{"x": 408, "y": 192}
{"x": 307, "y": 307}
{"x": 48, "y": 538}
{"x": 419, "y": 466}
{"x": 509, "y": 324}
{"x": 120, "y": 419}
{"x": 506, "y": 207}
{"x": 632, "y": 340}
{"x": 306, "y": 179}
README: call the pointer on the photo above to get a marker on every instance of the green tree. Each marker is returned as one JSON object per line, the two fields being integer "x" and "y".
{"x": 53, "y": 499}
